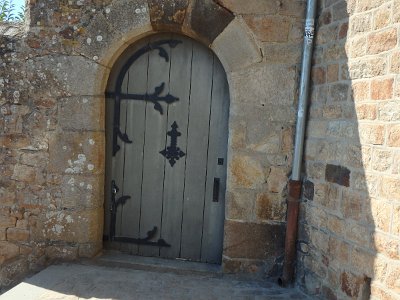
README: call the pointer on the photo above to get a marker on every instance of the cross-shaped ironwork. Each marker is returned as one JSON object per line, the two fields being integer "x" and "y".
{"x": 173, "y": 152}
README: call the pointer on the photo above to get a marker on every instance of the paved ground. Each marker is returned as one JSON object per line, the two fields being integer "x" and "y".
{"x": 76, "y": 281}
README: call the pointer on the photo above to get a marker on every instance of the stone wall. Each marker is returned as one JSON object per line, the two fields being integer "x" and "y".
{"x": 350, "y": 220}
{"x": 54, "y": 69}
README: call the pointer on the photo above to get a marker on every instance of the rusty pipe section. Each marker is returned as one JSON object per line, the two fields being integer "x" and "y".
{"x": 295, "y": 182}
{"x": 291, "y": 233}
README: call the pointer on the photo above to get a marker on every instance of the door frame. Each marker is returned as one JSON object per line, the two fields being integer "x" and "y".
{"x": 162, "y": 43}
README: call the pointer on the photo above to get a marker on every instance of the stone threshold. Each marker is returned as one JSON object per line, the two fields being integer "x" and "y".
{"x": 112, "y": 258}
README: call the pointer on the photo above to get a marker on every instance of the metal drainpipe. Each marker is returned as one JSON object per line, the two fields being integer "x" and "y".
{"x": 295, "y": 182}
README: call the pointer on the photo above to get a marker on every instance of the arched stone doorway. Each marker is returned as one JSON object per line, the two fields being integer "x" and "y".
{"x": 167, "y": 124}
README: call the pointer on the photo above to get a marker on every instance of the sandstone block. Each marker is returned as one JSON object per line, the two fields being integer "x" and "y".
{"x": 367, "y": 68}
{"x": 389, "y": 111}
{"x": 7, "y": 221}
{"x": 387, "y": 245}
{"x": 339, "y": 92}
{"x": 62, "y": 252}
{"x": 352, "y": 284}
{"x": 308, "y": 190}
{"x": 79, "y": 192}
{"x": 253, "y": 241}
{"x": 246, "y": 172}
{"x": 343, "y": 30}
{"x": 357, "y": 46}
{"x": 269, "y": 28}
{"x": 240, "y": 205}
{"x": 395, "y": 63}
{"x": 382, "y": 160}
{"x": 282, "y": 53}
{"x": 332, "y": 73}
{"x": 277, "y": 179}
{"x": 366, "y": 111}
{"x": 217, "y": 19}
{"x": 361, "y": 91}
{"x": 89, "y": 250}
{"x": 382, "y": 89}
{"x": 382, "y": 17}
{"x": 396, "y": 220}
{"x": 24, "y": 173}
{"x": 76, "y": 152}
{"x": 371, "y": 134}
{"x": 380, "y": 212}
{"x": 393, "y": 278}
{"x": 250, "y": 7}
{"x": 394, "y": 136}
{"x": 382, "y": 41}
{"x": 233, "y": 55}
{"x": 270, "y": 207}
{"x": 339, "y": 11}
{"x": 8, "y": 251}
{"x": 318, "y": 75}
{"x": 367, "y": 5}
{"x": 263, "y": 86}
{"x": 17, "y": 235}
{"x": 362, "y": 261}
{"x": 360, "y": 24}
{"x": 81, "y": 113}
{"x": 396, "y": 12}
{"x": 389, "y": 188}
{"x": 75, "y": 75}
{"x": 127, "y": 15}
{"x": 337, "y": 174}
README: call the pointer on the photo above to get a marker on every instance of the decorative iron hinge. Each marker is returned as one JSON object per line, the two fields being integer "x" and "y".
{"x": 155, "y": 97}
{"x": 114, "y": 206}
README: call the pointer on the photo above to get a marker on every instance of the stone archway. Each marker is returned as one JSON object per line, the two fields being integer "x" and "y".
{"x": 208, "y": 23}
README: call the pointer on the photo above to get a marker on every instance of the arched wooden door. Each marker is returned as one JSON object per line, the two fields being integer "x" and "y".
{"x": 167, "y": 144}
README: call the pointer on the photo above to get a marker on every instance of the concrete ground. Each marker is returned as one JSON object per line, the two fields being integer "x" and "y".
{"x": 94, "y": 281}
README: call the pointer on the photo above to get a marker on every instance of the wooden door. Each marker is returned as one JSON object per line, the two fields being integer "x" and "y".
{"x": 167, "y": 143}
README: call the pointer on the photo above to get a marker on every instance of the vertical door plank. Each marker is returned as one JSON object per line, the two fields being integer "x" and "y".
{"x": 214, "y": 212}
{"x": 109, "y": 159}
{"x": 181, "y": 57}
{"x": 153, "y": 161}
{"x": 119, "y": 158}
{"x": 196, "y": 161}
{"x": 134, "y": 152}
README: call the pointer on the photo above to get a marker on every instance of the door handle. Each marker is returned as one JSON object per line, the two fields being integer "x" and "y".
{"x": 216, "y": 190}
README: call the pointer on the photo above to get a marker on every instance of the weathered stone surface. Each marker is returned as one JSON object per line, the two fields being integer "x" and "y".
{"x": 74, "y": 75}
{"x": 246, "y": 172}
{"x": 234, "y": 55}
{"x": 277, "y": 179}
{"x": 264, "y": 85}
{"x": 127, "y": 15}
{"x": 269, "y": 29}
{"x": 7, "y": 221}
{"x": 168, "y": 14}
{"x": 64, "y": 253}
{"x": 208, "y": 20}
{"x": 81, "y": 113}
{"x": 254, "y": 241}
{"x": 337, "y": 174}
{"x": 250, "y": 7}
{"x": 308, "y": 190}
{"x": 382, "y": 41}
{"x": 240, "y": 205}
{"x": 81, "y": 191}
{"x": 17, "y": 235}
{"x": 77, "y": 153}
{"x": 270, "y": 207}
{"x": 7, "y": 251}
